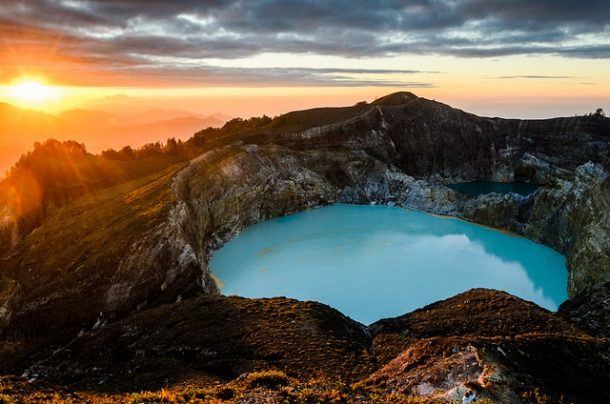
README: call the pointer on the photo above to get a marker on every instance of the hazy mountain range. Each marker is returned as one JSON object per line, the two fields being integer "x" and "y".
{"x": 99, "y": 130}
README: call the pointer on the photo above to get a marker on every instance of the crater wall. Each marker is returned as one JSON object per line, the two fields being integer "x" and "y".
{"x": 400, "y": 151}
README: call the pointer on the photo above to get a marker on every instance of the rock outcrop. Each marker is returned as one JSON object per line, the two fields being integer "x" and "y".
{"x": 590, "y": 309}
{"x": 571, "y": 215}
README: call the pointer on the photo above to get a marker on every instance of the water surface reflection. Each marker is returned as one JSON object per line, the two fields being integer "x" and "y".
{"x": 372, "y": 262}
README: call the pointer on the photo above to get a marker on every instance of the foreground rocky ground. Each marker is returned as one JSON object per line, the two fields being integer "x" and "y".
{"x": 213, "y": 348}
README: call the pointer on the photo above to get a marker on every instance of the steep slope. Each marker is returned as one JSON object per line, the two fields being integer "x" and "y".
{"x": 56, "y": 173}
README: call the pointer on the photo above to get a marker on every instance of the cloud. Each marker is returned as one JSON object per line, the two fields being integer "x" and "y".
{"x": 288, "y": 77}
{"x": 534, "y": 77}
{"x": 122, "y": 36}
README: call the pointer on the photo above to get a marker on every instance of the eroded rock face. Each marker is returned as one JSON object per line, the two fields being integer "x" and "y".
{"x": 590, "y": 309}
{"x": 11, "y": 295}
{"x": 574, "y": 217}
{"x": 401, "y": 154}
{"x": 498, "y": 345}
{"x": 571, "y": 215}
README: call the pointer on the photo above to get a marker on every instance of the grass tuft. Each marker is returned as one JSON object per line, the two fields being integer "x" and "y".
{"x": 270, "y": 379}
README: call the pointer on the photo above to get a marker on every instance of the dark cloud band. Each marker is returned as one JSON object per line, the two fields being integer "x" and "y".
{"x": 134, "y": 33}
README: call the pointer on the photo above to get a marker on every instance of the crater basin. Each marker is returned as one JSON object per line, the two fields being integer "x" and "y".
{"x": 372, "y": 262}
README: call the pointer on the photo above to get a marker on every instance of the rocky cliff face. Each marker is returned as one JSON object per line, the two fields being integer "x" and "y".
{"x": 571, "y": 215}
{"x": 148, "y": 242}
{"x": 399, "y": 150}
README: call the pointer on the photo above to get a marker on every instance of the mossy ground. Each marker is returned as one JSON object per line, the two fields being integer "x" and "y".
{"x": 79, "y": 248}
{"x": 98, "y": 225}
{"x": 214, "y": 348}
{"x": 258, "y": 387}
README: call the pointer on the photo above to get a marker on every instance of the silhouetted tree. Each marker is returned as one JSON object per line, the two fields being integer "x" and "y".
{"x": 203, "y": 136}
{"x": 238, "y": 124}
{"x": 171, "y": 146}
{"x": 111, "y": 154}
{"x": 150, "y": 149}
{"x": 258, "y": 122}
{"x": 127, "y": 153}
{"x": 600, "y": 112}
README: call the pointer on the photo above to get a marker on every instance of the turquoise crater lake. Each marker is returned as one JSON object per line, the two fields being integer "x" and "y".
{"x": 372, "y": 262}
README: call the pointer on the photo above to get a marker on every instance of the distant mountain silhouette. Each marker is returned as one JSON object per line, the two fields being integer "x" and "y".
{"x": 20, "y": 128}
{"x": 78, "y": 117}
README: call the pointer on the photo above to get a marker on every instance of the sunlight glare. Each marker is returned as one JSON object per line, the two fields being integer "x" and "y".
{"x": 33, "y": 92}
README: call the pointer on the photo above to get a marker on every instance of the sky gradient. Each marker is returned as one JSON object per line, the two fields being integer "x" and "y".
{"x": 507, "y": 58}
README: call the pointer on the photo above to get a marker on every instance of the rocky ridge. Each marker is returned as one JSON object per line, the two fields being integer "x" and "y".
{"x": 506, "y": 349}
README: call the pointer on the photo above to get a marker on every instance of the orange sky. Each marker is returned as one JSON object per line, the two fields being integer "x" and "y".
{"x": 243, "y": 58}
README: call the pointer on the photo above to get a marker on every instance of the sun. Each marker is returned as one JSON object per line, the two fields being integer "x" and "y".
{"x": 32, "y": 92}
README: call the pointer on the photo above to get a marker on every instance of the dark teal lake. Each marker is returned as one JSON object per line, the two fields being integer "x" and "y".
{"x": 487, "y": 187}
{"x": 372, "y": 262}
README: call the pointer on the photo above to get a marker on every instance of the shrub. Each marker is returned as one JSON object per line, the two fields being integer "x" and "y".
{"x": 271, "y": 379}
